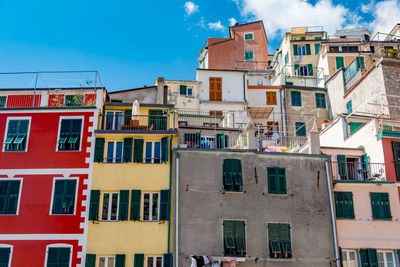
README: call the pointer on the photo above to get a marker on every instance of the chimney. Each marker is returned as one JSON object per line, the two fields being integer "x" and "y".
{"x": 313, "y": 140}
{"x": 160, "y": 91}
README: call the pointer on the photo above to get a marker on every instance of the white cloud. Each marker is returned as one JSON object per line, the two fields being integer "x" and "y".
{"x": 191, "y": 8}
{"x": 386, "y": 15}
{"x": 368, "y": 7}
{"x": 216, "y": 26}
{"x": 202, "y": 23}
{"x": 278, "y": 17}
{"x": 232, "y": 21}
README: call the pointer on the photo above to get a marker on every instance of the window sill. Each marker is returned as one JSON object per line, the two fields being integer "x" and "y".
{"x": 278, "y": 194}
{"x": 385, "y": 219}
{"x": 61, "y": 214}
{"x": 233, "y": 192}
{"x": 14, "y": 151}
{"x": 280, "y": 259}
{"x": 348, "y": 219}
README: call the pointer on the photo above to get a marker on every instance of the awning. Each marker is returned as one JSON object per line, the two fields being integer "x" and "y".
{"x": 260, "y": 112}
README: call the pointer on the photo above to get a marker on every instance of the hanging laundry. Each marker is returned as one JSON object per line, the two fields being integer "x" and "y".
{"x": 194, "y": 262}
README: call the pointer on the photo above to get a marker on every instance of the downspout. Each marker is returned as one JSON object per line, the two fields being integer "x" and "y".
{"x": 335, "y": 241}
{"x": 170, "y": 183}
{"x": 286, "y": 115}
{"x": 176, "y": 208}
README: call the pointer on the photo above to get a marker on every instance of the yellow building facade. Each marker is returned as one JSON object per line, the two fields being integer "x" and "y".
{"x": 130, "y": 203}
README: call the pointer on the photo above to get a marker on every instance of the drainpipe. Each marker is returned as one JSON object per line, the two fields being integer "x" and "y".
{"x": 286, "y": 117}
{"x": 176, "y": 208}
{"x": 170, "y": 183}
{"x": 335, "y": 241}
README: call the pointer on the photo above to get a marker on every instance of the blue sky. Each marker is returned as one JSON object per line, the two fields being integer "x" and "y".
{"x": 131, "y": 43}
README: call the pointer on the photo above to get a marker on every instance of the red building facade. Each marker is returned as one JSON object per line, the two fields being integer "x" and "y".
{"x": 45, "y": 176}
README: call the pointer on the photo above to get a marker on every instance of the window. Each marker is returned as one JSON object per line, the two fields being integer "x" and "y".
{"x": 339, "y": 62}
{"x": 153, "y": 152}
{"x": 276, "y": 180}
{"x": 300, "y": 128}
{"x": 154, "y": 261}
{"x": 182, "y": 89}
{"x": 106, "y": 261}
{"x": 64, "y": 196}
{"x": 386, "y": 259}
{"x": 114, "y": 120}
{"x": 349, "y": 48}
{"x": 249, "y": 36}
{"x": 150, "y": 206}
{"x": 114, "y": 152}
{"x": 190, "y": 92}
{"x": 396, "y": 154}
{"x": 74, "y": 100}
{"x": 302, "y": 49}
{"x": 249, "y": 55}
{"x": 9, "y": 196}
{"x": 318, "y": 38}
{"x": 58, "y": 257}
{"x": 17, "y": 135}
{"x": 369, "y": 257}
{"x": 110, "y": 207}
{"x": 296, "y": 98}
{"x": 302, "y": 71}
{"x": 349, "y": 258}
{"x": 349, "y": 107}
{"x": 279, "y": 240}
{"x": 232, "y": 175}
{"x": 344, "y": 205}
{"x": 360, "y": 63}
{"x": 215, "y": 84}
{"x": 334, "y": 49}
{"x": 5, "y": 255}
{"x": 320, "y": 100}
{"x": 70, "y": 134}
{"x": 380, "y": 206}
{"x": 3, "y": 101}
{"x": 157, "y": 119}
{"x": 234, "y": 238}
{"x": 316, "y": 48}
{"x": 271, "y": 98}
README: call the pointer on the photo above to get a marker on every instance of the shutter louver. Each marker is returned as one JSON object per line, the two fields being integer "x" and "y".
{"x": 138, "y": 260}
{"x": 128, "y": 149}
{"x": 94, "y": 205}
{"x": 120, "y": 260}
{"x": 123, "y": 205}
{"x": 90, "y": 260}
{"x": 164, "y": 205}
{"x": 164, "y": 149}
{"x": 138, "y": 151}
{"x": 99, "y": 150}
{"x": 135, "y": 205}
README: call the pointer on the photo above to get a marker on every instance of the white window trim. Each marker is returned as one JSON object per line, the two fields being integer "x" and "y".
{"x": 106, "y": 263}
{"x": 53, "y": 191}
{"x": 109, "y": 207}
{"x": 153, "y": 148}
{"x": 59, "y": 246}
{"x": 115, "y": 151}
{"x": 59, "y": 130}
{"x": 384, "y": 256}
{"x": 150, "y": 207}
{"x": 187, "y": 92}
{"x": 11, "y": 252}
{"x": 114, "y": 111}
{"x": 27, "y": 135}
{"x": 248, "y": 33}
{"x": 19, "y": 195}
{"x": 347, "y": 252}
{"x": 154, "y": 260}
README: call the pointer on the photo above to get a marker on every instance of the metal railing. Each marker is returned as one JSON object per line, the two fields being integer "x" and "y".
{"x": 358, "y": 171}
{"x": 208, "y": 140}
{"x": 253, "y": 66}
{"x": 119, "y": 122}
{"x": 287, "y": 141}
{"x": 207, "y": 119}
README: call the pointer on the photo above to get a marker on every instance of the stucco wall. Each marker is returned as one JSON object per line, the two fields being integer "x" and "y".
{"x": 391, "y": 77}
{"x": 144, "y": 96}
{"x": 183, "y": 101}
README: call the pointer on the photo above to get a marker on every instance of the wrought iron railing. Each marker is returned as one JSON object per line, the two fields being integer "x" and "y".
{"x": 358, "y": 171}
{"x": 208, "y": 119}
{"x": 117, "y": 121}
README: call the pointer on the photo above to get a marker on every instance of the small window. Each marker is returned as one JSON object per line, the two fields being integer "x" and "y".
{"x": 249, "y": 55}
{"x": 296, "y": 98}
{"x": 232, "y": 175}
{"x": 279, "y": 240}
{"x": 344, "y": 205}
{"x": 318, "y": 38}
{"x": 106, "y": 261}
{"x": 5, "y": 256}
{"x": 386, "y": 259}
{"x": 234, "y": 238}
{"x": 9, "y": 196}
{"x": 3, "y": 101}
{"x": 190, "y": 92}
{"x": 64, "y": 196}
{"x": 349, "y": 258}
{"x": 114, "y": 152}
{"x": 300, "y": 128}
{"x": 70, "y": 135}
{"x": 316, "y": 48}
{"x": 154, "y": 261}
{"x": 58, "y": 256}
{"x": 17, "y": 135}
{"x": 153, "y": 152}
{"x": 276, "y": 180}
{"x": 110, "y": 207}
{"x": 380, "y": 206}
{"x": 271, "y": 98}
{"x": 151, "y": 206}
{"x": 74, "y": 100}
{"x": 182, "y": 89}
{"x": 349, "y": 107}
{"x": 320, "y": 100}
{"x": 249, "y": 36}
{"x": 339, "y": 62}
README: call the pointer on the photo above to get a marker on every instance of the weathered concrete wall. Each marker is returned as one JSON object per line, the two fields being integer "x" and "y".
{"x": 391, "y": 78}
{"x": 203, "y": 207}
{"x": 144, "y": 96}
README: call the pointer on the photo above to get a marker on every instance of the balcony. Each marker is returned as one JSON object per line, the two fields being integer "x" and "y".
{"x": 358, "y": 171}
{"x": 205, "y": 119}
{"x": 114, "y": 122}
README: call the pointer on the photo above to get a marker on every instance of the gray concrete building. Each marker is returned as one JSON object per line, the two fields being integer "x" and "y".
{"x": 260, "y": 209}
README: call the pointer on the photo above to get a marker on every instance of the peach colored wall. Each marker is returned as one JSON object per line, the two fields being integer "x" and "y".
{"x": 223, "y": 55}
{"x": 334, "y": 152}
{"x": 347, "y": 60}
{"x": 389, "y": 158}
{"x": 363, "y": 231}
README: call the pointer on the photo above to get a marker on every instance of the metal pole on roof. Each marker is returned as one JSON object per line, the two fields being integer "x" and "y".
{"x": 34, "y": 91}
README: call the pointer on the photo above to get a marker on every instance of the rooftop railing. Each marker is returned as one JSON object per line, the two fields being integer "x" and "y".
{"x": 358, "y": 171}
{"x": 207, "y": 119}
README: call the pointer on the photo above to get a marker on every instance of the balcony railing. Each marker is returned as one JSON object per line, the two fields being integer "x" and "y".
{"x": 286, "y": 141}
{"x": 208, "y": 141}
{"x": 358, "y": 171}
{"x": 120, "y": 122}
{"x": 207, "y": 119}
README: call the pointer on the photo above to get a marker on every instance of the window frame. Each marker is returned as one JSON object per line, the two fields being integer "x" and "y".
{"x": 53, "y": 191}
{"x": 109, "y": 207}
{"x": 300, "y": 50}
{"x": 106, "y": 263}
{"x": 291, "y": 241}
{"x": 59, "y": 132}
{"x": 277, "y": 180}
{"x": 59, "y": 245}
{"x": 347, "y": 253}
{"x": 270, "y": 94}
{"x": 320, "y": 95}
{"x": 113, "y": 159}
{"x": 11, "y": 247}
{"x": 304, "y": 125}
{"x": 344, "y": 64}
{"x": 245, "y": 237}
{"x": 154, "y": 260}
{"x": 150, "y": 207}
{"x": 27, "y": 135}
{"x": 19, "y": 194}
{"x": 248, "y": 39}
{"x": 291, "y": 99}
{"x": 114, "y": 114}
{"x": 5, "y": 103}
{"x": 153, "y": 147}
{"x": 385, "y": 252}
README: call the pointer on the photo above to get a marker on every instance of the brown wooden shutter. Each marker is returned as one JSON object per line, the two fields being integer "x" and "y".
{"x": 218, "y": 89}
{"x": 212, "y": 89}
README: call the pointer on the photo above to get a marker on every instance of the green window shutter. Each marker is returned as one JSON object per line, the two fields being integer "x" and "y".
{"x": 272, "y": 180}
{"x": 3, "y": 101}
{"x": 240, "y": 238}
{"x": 123, "y": 205}
{"x": 273, "y": 240}
{"x": 232, "y": 175}
{"x": 308, "y": 49}
{"x": 164, "y": 205}
{"x": 365, "y": 162}
{"x": 310, "y": 70}
{"x": 90, "y": 260}
{"x": 339, "y": 62}
{"x": 339, "y": 205}
{"x": 182, "y": 89}
{"x": 138, "y": 260}
{"x": 285, "y": 239}
{"x": 94, "y": 205}
{"x": 295, "y": 52}
{"x": 296, "y": 98}
{"x": 58, "y": 256}
{"x": 376, "y": 211}
{"x": 64, "y": 197}
{"x": 167, "y": 260}
{"x": 364, "y": 257}
{"x": 4, "y": 256}
{"x": 360, "y": 63}
{"x": 120, "y": 260}
{"x": 164, "y": 149}
{"x": 229, "y": 237}
{"x": 281, "y": 180}
{"x": 138, "y": 151}
{"x": 127, "y": 117}
{"x": 128, "y": 149}
{"x": 320, "y": 100}
{"x": 316, "y": 47}
{"x": 385, "y": 205}
{"x": 344, "y": 205}
{"x": 349, "y": 107}
{"x": 373, "y": 258}
{"x": 99, "y": 150}
{"x": 396, "y": 153}
{"x": 300, "y": 128}
{"x": 135, "y": 205}
{"x": 341, "y": 159}
{"x": 70, "y": 100}
{"x": 237, "y": 173}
